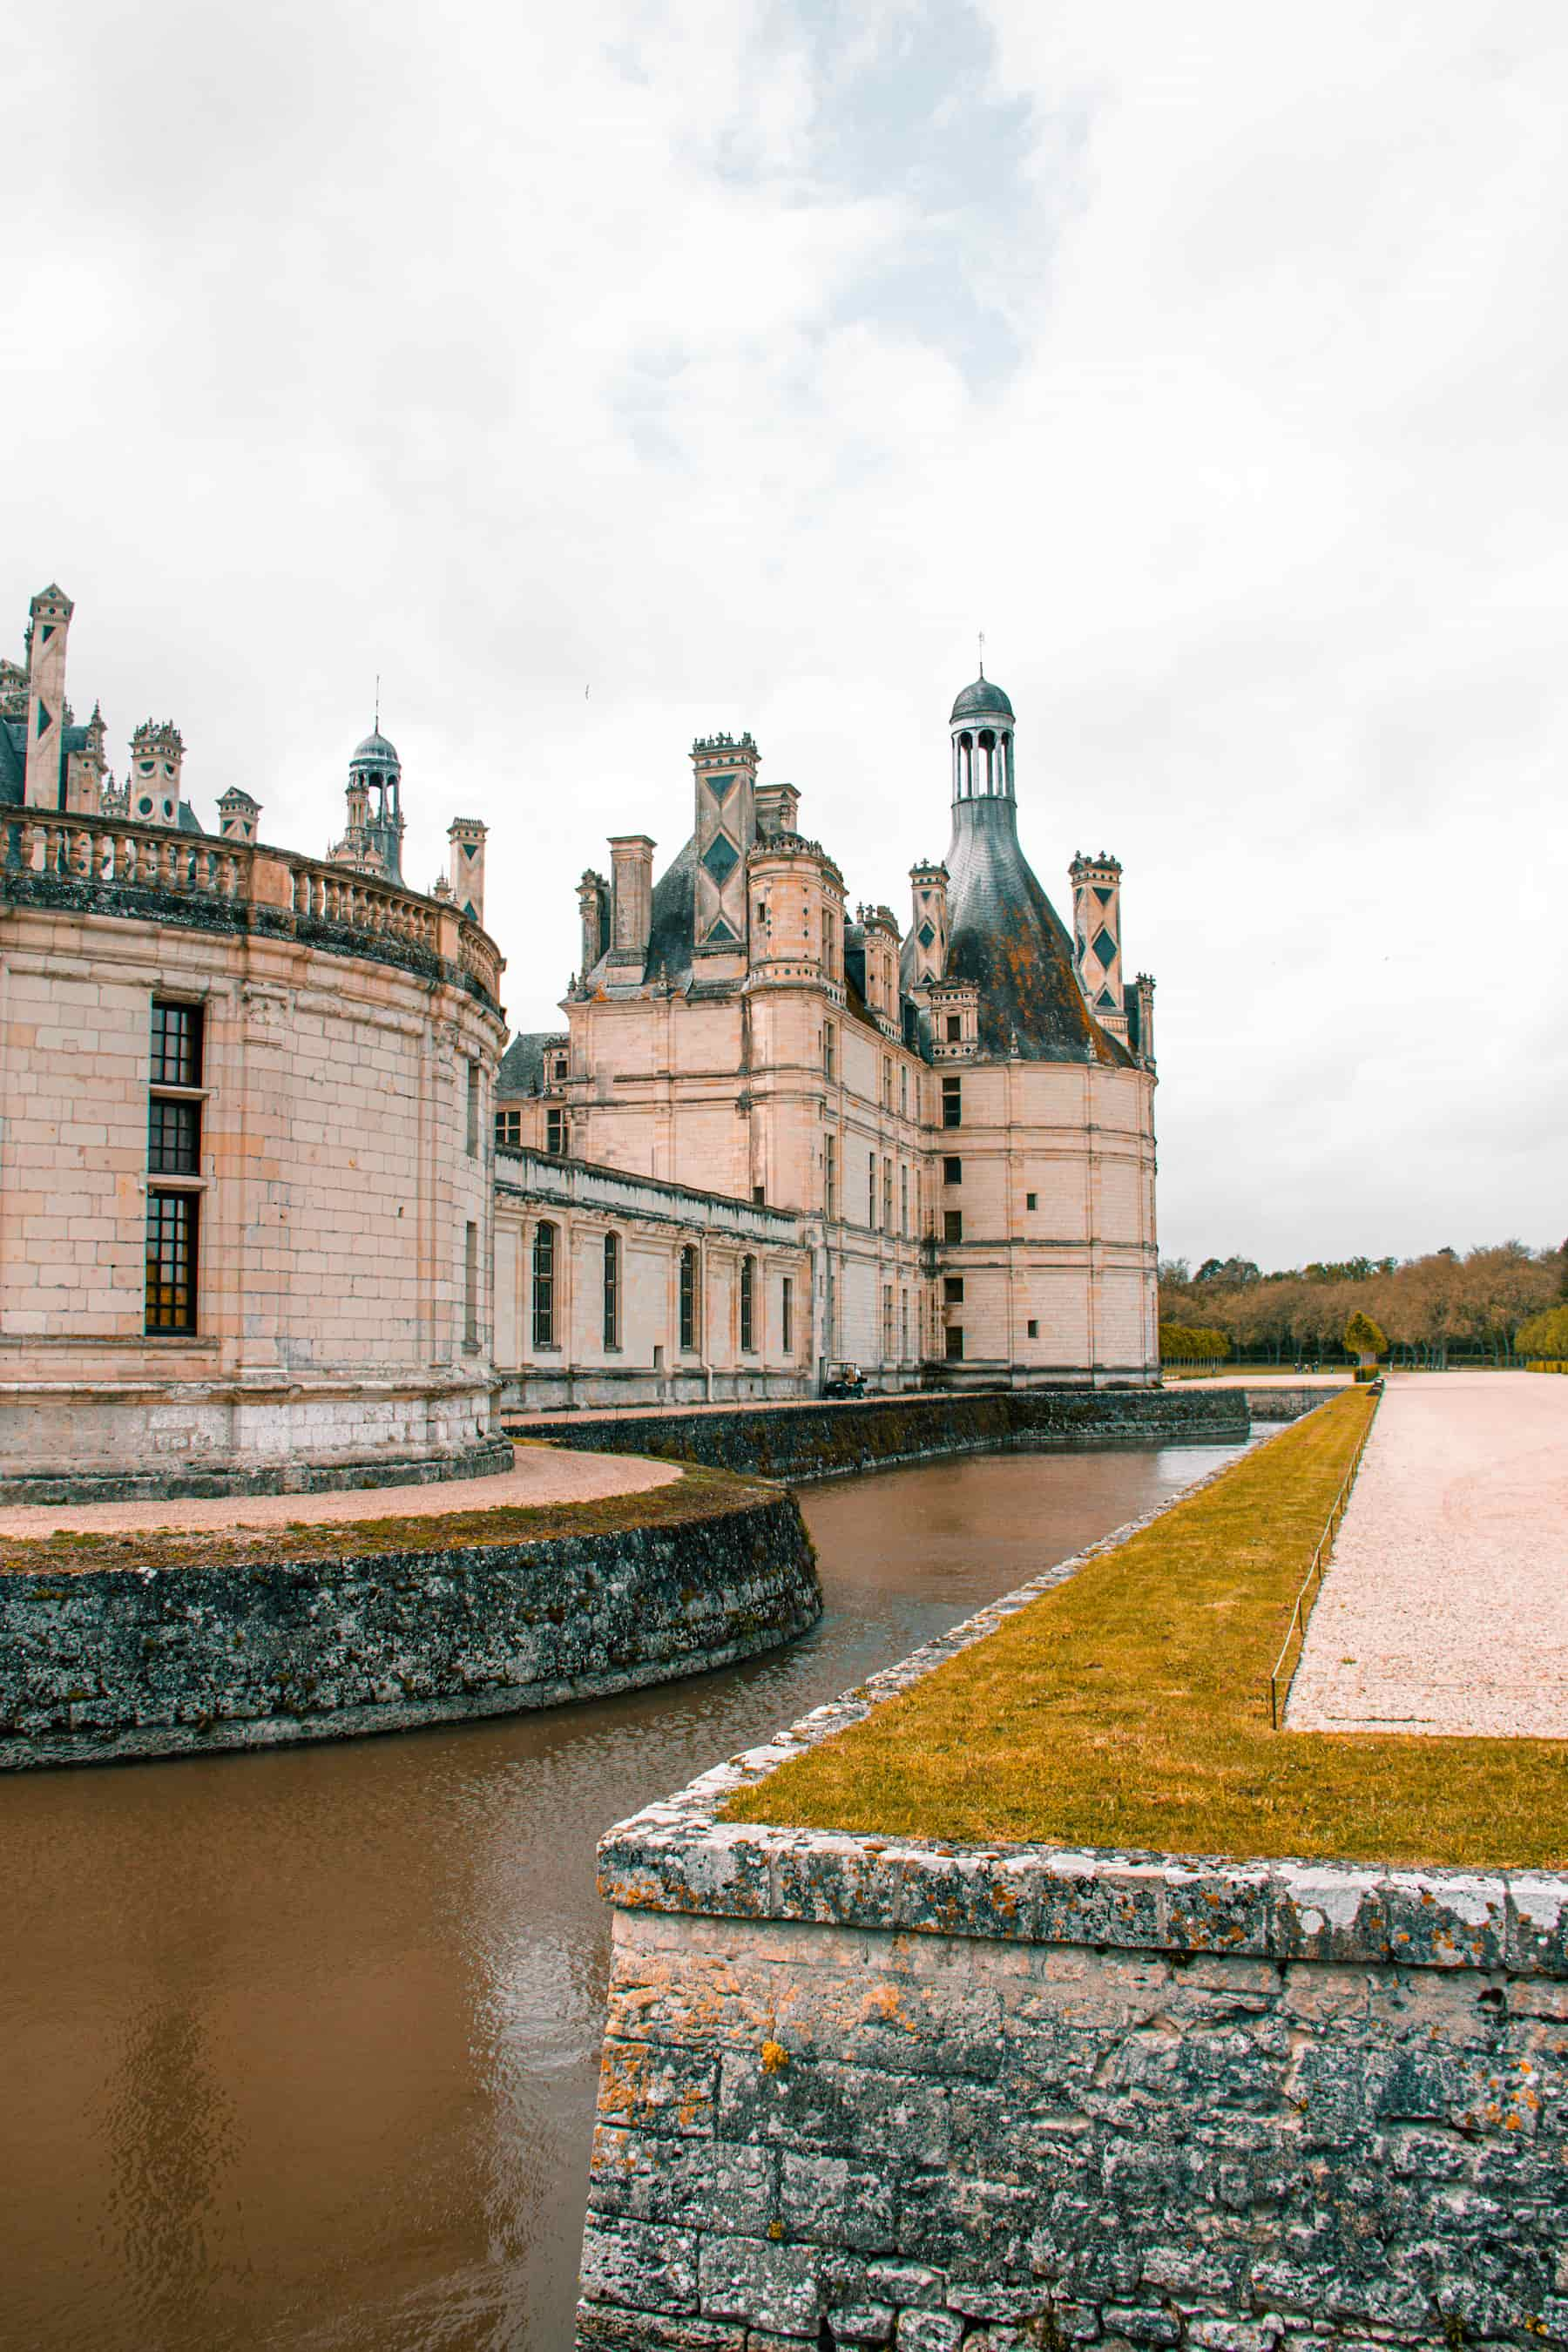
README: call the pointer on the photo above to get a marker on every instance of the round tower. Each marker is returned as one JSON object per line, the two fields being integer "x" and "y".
{"x": 982, "y": 729}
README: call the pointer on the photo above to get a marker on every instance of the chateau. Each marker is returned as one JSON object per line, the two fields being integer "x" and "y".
{"x": 958, "y": 1118}
{"x": 277, "y": 1209}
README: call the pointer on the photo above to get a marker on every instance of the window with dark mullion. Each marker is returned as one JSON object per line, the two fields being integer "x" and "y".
{"x": 544, "y": 1285}
{"x": 174, "y": 1137}
{"x": 689, "y": 1300}
{"x": 172, "y": 1229}
{"x": 176, "y": 1045}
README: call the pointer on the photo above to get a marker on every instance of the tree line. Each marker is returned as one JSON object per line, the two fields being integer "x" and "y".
{"x": 1485, "y": 1303}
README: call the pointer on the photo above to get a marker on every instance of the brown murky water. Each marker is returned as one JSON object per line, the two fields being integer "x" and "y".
{"x": 298, "y": 2049}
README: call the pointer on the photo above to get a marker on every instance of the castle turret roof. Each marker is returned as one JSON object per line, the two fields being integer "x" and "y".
{"x": 983, "y": 699}
{"x": 376, "y": 748}
{"x": 1005, "y": 935}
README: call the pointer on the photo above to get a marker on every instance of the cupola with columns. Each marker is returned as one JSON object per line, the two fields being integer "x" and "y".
{"x": 981, "y": 726}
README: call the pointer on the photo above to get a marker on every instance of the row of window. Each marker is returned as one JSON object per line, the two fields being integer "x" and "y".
{"x": 509, "y": 1132}
{"x": 175, "y": 1102}
{"x": 545, "y": 1277}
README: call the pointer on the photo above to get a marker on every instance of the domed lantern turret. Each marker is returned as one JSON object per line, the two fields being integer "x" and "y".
{"x": 374, "y": 798}
{"x": 982, "y": 729}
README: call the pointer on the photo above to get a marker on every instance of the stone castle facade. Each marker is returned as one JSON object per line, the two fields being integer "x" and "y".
{"x": 959, "y": 1114}
{"x": 275, "y": 1206}
{"x": 246, "y": 1198}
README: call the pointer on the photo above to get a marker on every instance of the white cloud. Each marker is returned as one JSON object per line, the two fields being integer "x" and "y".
{"x": 739, "y": 364}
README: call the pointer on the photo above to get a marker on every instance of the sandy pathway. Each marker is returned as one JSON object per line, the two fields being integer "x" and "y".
{"x": 1445, "y": 1608}
{"x": 542, "y": 1475}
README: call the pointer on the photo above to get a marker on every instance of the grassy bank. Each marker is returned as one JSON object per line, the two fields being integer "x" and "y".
{"x": 696, "y": 1494}
{"x": 1130, "y": 1708}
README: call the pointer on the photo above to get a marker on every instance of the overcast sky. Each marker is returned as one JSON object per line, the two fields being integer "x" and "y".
{"x": 739, "y": 364}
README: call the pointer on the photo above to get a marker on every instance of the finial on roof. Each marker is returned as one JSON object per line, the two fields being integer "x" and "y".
{"x": 981, "y": 652}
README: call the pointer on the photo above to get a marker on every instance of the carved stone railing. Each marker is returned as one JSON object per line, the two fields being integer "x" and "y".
{"x": 106, "y": 854}
{"x": 117, "y": 855}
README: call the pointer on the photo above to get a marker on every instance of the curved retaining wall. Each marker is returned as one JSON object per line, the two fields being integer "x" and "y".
{"x": 117, "y": 1662}
{"x": 820, "y": 1440}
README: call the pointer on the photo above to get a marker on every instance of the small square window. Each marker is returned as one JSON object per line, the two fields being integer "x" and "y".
{"x": 1034, "y": 1328}
{"x": 176, "y": 1045}
{"x": 174, "y": 1137}
{"x": 1031, "y": 1200}
{"x": 953, "y": 1290}
{"x": 953, "y": 1172}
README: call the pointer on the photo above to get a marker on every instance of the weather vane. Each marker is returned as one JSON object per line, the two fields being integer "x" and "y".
{"x": 981, "y": 652}
{"x": 378, "y": 699}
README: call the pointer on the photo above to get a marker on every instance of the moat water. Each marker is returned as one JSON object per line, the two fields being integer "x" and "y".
{"x": 298, "y": 2049}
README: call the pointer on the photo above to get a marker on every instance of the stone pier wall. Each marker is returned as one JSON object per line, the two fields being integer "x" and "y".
{"x": 108, "y": 1663}
{"x": 819, "y": 1440}
{"x": 858, "y": 2091}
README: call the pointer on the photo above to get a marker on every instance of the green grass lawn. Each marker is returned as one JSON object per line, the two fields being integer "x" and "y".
{"x": 696, "y": 1494}
{"x": 1130, "y": 1707}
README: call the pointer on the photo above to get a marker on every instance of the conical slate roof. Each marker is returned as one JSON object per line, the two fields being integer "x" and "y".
{"x": 1005, "y": 935}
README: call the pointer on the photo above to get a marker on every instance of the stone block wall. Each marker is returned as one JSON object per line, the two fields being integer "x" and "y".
{"x": 107, "y": 1664}
{"x": 340, "y": 1175}
{"x": 815, "y": 1441}
{"x": 930, "y": 2139}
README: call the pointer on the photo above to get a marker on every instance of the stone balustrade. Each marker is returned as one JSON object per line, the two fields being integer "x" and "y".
{"x": 43, "y": 852}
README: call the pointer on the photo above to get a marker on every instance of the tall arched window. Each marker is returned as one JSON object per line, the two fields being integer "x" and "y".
{"x": 748, "y": 1306}
{"x": 544, "y": 1285}
{"x": 689, "y": 1296}
{"x": 612, "y": 1291}
{"x": 965, "y": 764}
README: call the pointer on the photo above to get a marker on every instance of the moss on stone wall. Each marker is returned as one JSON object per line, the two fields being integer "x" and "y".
{"x": 815, "y": 1441}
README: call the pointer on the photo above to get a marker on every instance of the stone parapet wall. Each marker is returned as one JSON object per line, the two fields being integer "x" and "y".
{"x": 866, "y": 2091}
{"x": 818, "y": 1440}
{"x": 110, "y": 1663}
{"x": 100, "y": 866}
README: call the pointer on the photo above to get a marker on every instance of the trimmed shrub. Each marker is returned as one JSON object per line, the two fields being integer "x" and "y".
{"x": 1544, "y": 1335}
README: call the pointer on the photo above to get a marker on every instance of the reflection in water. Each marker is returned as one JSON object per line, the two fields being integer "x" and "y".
{"x": 298, "y": 2049}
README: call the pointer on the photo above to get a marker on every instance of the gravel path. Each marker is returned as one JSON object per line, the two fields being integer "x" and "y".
{"x": 1446, "y": 1607}
{"x": 541, "y": 1475}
